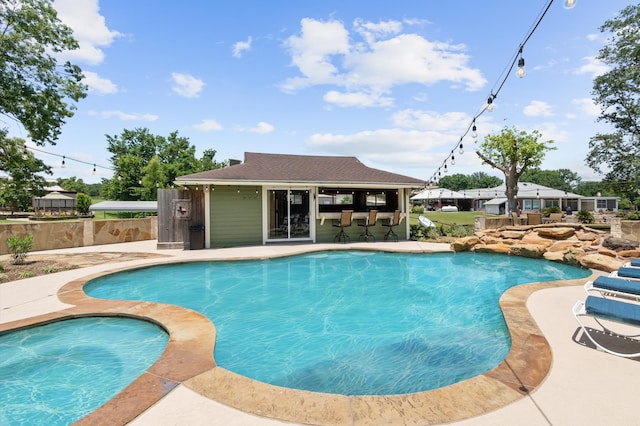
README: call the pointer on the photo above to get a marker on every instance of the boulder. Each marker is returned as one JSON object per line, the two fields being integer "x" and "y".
{"x": 534, "y": 238}
{"x": 554, "y": 256}
{"x": 600, "y": 262}
{"x": 493, "y": 248}
{"x": 587, "y": 236}
{"x": 607, "y": 252}
{"x": 512, "y": 235}
{"x": 527, "y": 250}
{"x": 629, "y": 253}
{"x": 558, "y": 233}
{"x": 573, "y": 256}
{"x": 465, "y": 243}
{"x": 563, "y": 245}
{"x": 618, "y": 244}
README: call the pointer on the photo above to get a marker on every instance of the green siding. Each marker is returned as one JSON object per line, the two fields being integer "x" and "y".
{"x": 327, "y": 232}
{"x": 236, "y": 218}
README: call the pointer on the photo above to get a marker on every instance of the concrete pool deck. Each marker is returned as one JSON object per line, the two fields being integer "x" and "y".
{"x": 562, "y": 382}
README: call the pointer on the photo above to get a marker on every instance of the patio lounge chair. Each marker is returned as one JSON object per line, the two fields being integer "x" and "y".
{"x": 554, "y": 217}
{"x": 369, "y": 221}
{"x": 345, "y": 221}
{"x": 600, "y": 309}
{"x": 635, "y": 263}
{"x": 627, "y": 272}
{"x": 611, "y": 286}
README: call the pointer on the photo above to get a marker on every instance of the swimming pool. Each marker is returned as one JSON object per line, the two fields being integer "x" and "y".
{"x": 403, "y": 323}
{"x": 55, "y": 374}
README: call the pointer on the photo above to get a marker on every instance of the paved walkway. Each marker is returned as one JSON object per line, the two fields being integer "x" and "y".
{"x": 584, "y": 386}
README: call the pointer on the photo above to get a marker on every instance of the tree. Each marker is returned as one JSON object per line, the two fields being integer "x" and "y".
{"x": 455, "y": 182}
{"x": 562, "y": 179}
{"x": 138, "y": 176}
{"x": 513, "y": 152}
{"x": 617, "y": 93}
{"x": 25, "y": 174}
{"x": 35, "y": 89}
{"x": 73, "y": 184}
{"x": 483, "y": 180}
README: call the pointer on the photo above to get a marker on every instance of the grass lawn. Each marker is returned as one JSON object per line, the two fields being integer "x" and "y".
{"x": 447, "y": 218}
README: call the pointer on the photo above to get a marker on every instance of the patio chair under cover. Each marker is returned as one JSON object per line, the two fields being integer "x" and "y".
{"x": 600, "y": 309}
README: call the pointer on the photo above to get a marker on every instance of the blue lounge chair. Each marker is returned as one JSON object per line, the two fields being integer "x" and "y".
{"x": 600, "y": 309}
{"x": 635, "y": 262}
{"x": 614, "y": 286}
{"x": 627, "y": 272}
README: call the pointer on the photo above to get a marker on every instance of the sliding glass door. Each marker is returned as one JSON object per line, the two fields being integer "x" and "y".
{"x": 288, "y": 211}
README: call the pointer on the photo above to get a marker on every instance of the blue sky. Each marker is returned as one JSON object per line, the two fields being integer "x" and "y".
{"x": 395, "y": 84}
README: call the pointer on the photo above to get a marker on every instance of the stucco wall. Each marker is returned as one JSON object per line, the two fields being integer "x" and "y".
{"x": 56, "y": 235}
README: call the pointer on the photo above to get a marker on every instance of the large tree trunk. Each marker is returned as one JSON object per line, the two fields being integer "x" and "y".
{"x": 511, "y": 183}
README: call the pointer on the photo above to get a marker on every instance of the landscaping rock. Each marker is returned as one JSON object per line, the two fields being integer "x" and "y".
{"x": 527, "y": 250}
{"x": 493, "y": 248}
{"x": 465, "y": 244}
{"x": 601, "y": 262}
{"x": 618, "y": 244}
{"x": 558, "y": 233}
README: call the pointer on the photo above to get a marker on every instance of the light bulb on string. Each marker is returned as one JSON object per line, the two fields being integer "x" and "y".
{"x": 94, "y": 169}
{"x": 474, "y": 130}
{"x": 569, "y": 4}
{"x": 520, "y": 72}
{"x": 453, "y": 160}
{"x": 461, "y": 149}
{"x": 62, "y": 165}
{"x": 445, "y": 167}
{"x": 490, "y": 103}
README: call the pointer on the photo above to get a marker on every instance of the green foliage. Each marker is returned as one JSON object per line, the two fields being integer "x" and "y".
{"x": 417, "y": 210}
{"x": 83, "y": 202}
{"x": 73, "y": 184}
{"x": 144, "y": 162}
{"x": 440, "y": 231}
{"x": 625, "y": 204}
{"x": 632, "y": 216}
{"x": 35, "y": 89}
{"x": 513, "y": 152}
{"x": 548, "y": 210}
{"x": 459, "y": 182}
{"x": 617, "y": 94}
{"x": 561, "y": 179}
{"x": 585, "y": 216}
{"x": 19, "y": 248}
{"x": 50, "y": 269}
{"x": 25, "y": 171}
{"x": 591, "y": 189}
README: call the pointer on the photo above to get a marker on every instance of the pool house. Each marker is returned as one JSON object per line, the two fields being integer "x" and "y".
{"x": 276, "y": 198}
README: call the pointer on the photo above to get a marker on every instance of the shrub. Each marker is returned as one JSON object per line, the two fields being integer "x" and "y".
{"x": 585, "y": 216}
{"x": 83, "y": 202}
{"x": 50, "y": 269}
{"x": 19, "y": 248}
{"x": 547, "y": 211}
{"x": 417, "y": 209}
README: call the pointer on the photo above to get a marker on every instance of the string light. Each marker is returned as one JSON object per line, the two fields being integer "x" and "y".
{"x": 64, "y": 158}
{"x": 62, "y": 165}
{"x": 517, "y": 58}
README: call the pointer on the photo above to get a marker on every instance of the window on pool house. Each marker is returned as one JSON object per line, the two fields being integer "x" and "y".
{"x": 359, "y": 200}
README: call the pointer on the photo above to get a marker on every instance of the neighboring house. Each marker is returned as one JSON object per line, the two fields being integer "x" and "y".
{"x": 531, "y": 198}
{"x": 274, "y": 198}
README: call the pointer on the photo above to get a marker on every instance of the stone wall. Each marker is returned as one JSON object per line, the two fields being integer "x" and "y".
{"x": 81, "y": 233}
{"x": 626, "y": 229}
{"x": 561, "y": 242}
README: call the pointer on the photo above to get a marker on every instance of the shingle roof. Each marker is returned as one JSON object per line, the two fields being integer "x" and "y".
{"x": 321, "y": 170}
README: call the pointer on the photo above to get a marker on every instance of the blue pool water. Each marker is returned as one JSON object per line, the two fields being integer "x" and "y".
{"x": 55, "y": 374}
{"x": 347, "y": 322}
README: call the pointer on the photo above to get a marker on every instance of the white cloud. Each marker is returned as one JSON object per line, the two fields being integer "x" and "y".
{"x": 430, "y": 120}
{"x": 241, "y": 46}
{"x": 326, "y": 53}
{"x": 89, "y": 29}
{"x": 262, "y": 128}
{"x": 125, "y": 116}
{"x": 311, "y": 52}
{"x": 186, "y": 85}
{"x": 98, "y": 84}
{"x": 592, "y": 66}
{"x": 357, "y": 99}
{"x": 208, "y": 126}
{"x": 538, "y": 109}
{"x": 587, "y": 107}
